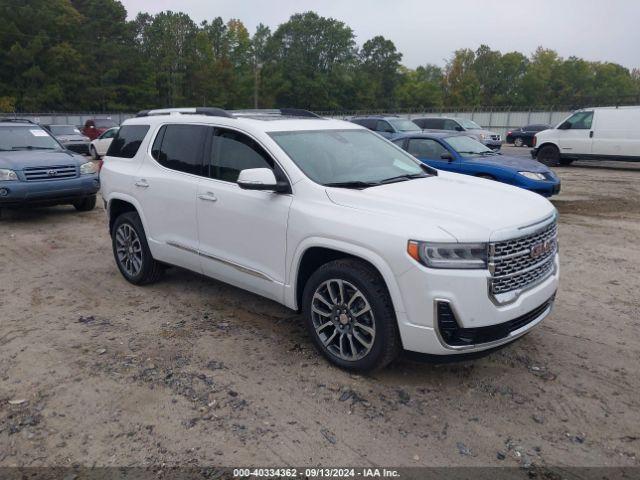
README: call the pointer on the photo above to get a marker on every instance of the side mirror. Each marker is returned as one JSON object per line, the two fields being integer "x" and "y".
{"x": 564, "y": 126}
{"x": 459, "y": 129}
{"x": 446, "y": 156}
{"x": 260, "y": 179}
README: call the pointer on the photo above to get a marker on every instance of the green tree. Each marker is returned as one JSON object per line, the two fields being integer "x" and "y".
{"x": 380, "y": 64}
{"x": 420, "y": 88}
{"x": 461, "y": 84}
{"x": 309, "y": 58}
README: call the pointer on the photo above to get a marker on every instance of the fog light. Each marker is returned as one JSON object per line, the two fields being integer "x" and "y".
{"x": 4, "y": 192}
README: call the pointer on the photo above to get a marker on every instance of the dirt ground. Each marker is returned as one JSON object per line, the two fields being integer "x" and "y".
{"x": 193, "y": 372}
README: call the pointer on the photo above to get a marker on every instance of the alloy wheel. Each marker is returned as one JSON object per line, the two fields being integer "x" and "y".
{"x": 518, "y": 142}
{"x": 343, "y": 319}
{"x": 129, "y": 249}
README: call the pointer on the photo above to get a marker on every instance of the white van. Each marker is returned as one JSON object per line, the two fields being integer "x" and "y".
{"x": 607, "y": 133}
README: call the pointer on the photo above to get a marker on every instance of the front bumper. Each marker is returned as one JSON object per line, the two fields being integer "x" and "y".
{"x": 423, "y": 289}
{"x": 19, "y": 193}
{"x": 534, "y": 153}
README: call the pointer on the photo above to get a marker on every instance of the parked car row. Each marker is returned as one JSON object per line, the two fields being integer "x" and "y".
{"x": 93, "y": 139}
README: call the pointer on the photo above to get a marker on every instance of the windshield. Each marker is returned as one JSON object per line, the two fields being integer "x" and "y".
{"x": 64, "y": 130}
{"x": 469, "y": 124}
{"x": 468, "y": 147}
{"x": 29, "y": 137}
{"x": 403, "y": 125}
{"x": 347, "y": 157}
{"x": 105, "y": 123}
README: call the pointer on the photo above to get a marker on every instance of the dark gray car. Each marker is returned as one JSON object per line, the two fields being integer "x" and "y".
{"x": 486, "y": 137}
{"x": 70, "y": 137}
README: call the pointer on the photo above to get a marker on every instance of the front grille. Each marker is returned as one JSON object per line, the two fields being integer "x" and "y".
{"x": 495, "y": 137}
{"x": 518, "y": 263}
{"x": 50, "y": 173}
{"x": 455, "y": 336}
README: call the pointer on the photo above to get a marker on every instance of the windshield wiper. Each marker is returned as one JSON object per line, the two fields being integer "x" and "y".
{"x": 403, "y": 178}
{"x": 352, "y": 184}
{"x": 31, "y": 147}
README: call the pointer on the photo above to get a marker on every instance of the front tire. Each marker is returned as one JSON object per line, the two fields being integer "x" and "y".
{"x": 549, "y": 155}
{"x": 86, "y": 204}
{"x": 350, "y": 317}
{"x": 131, "y": 251}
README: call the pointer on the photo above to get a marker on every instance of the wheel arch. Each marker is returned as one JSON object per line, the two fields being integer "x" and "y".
{"x": 119, "y": 204}
{"x": 547, "y": 143}
{"x": 314, "y": 253}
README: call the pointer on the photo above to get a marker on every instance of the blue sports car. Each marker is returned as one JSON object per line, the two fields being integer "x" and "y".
{"x": 459, "y": 153}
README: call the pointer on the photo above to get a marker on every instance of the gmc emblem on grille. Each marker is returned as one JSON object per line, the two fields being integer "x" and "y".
{"x": 542, "y": 248}
{"x": 52, "y": 173}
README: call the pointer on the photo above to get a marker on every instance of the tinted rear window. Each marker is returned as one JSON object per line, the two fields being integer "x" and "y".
{"x": 179, "y": 147}
{"x": 127, "y": 141}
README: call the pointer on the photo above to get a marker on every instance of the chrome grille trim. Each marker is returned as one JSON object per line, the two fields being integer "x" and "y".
{"x": 58, "y": 172}
{"x": 515, "y": 267}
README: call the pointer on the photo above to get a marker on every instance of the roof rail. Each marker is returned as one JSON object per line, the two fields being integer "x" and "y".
{"x": 298, "y": 112}
{"x": 17, "y": 120}
{"x": 209, "y": 111}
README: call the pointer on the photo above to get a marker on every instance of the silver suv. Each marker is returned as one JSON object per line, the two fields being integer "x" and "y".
{"x": 491, "y": 139}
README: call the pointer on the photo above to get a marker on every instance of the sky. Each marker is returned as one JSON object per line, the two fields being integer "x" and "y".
{"x": 428, "y": 31}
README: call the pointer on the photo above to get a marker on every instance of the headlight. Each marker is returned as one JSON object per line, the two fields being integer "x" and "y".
{"x": 7, "y": 175}
{"x": 482, "y": 136}
{"x": 449, "y": 255}
{"x": 88, "y": 168}
{"x": 533, "y": 175}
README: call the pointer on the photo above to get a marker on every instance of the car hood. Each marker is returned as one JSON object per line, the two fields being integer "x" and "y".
{"x": 521, "y": 164}
{"x": 20, "y": 159}
{"x": 72, "y": 138}
{"x": 467, "y": 208}
{"x": 478, "y": 131}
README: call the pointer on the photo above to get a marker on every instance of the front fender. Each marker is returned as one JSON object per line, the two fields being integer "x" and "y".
{"x": 290, "y": 297}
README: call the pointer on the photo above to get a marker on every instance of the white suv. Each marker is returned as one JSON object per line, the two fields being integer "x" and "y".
{"x": 379, "y": 252}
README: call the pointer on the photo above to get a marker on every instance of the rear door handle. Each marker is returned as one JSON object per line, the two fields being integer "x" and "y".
{"x": 591, "y": 134}
{"x": 142, "y": 183}
{"x": 208, "y": 197}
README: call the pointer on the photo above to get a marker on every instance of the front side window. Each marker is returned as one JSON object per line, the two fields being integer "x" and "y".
{"x": 402, "y": 125}
{"x": 425, "y": 148}
{"x": 383, "y": 126}
{"x": 109, "y": 133}
{"x": 179, "y": 147}
{"x": 233, "y": 152}
{"x": 345, "y": 157}
{"x": 468, "y": 147}
{"x": 579, "y": 121}
{"x": 26, "y": 137}
{"x": 469, "y": 124}
{"x": 127, "y": 142}
{"x": 450, "y": 125}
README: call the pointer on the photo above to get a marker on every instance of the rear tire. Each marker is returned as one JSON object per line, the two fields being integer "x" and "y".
{"x": 131, "y": 251}
{"x": 549, "y": 155}
{"x": 518, "y": 142}
{"x": 86, "y": 204}
{"x": 350, "y": 317}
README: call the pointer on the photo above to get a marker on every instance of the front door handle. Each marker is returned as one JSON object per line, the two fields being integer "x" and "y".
{"x": 208, "y": 197}
{"x": 591, "y": 134}
{"x": 142, "y": 183}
